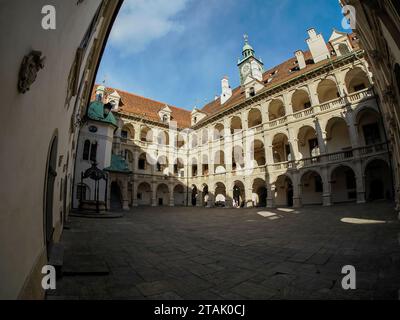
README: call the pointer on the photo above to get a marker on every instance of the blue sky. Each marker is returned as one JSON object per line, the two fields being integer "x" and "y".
{"x": 177, "y": 51}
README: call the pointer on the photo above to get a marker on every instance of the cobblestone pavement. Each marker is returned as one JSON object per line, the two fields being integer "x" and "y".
{"x": 258, "y": 253}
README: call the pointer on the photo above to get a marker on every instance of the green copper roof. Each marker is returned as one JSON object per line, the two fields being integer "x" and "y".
{"x": 118, "y": 164}
{"x": 247, "y": 47}
{"x": 96, "y": 112}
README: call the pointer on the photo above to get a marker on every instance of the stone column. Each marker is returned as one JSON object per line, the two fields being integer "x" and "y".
{"x": 287, "y": 101}
{"x": 321, "y": 134}
{"x": 135, "y": 186}
{"x": 249, "y": 197}
{"x": 171, "y": 196}
{"x": 264, "y": 112}
{"x": 296, "y": 191}
{"x": 199, "y": 199}
{"x": 360, "y": 186}
{"x": 229, "y": 196}
{"x": 125, "y": 198}
{"x": 327, "y": 188}
{"x": 294, "y": 144}
{"x": 153, "y": 194}
{"x": 312, "y": 88}
{"x": 270, "y": 195}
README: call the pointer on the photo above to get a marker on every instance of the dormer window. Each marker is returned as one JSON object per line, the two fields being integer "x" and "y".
{"x": 165, "y": 118}
{"x": 99, "y": 97}
{"x": 195, "y": 120}
{"x": 252, "y": 92}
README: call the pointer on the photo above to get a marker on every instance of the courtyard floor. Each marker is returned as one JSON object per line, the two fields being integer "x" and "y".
{"x": 217, "y": 253}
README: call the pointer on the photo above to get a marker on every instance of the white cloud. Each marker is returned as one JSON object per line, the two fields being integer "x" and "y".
{"x": 142, "y": 21}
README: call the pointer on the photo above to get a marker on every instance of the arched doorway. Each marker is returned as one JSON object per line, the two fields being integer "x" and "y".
{"x": 238, "y": 194}
{"x": 51, "y": 174}
{"x": 344, "y": 186}
{"x": 378, "y": 181}
{"x": 194, "y": 195}
{"x": 206, "y": 195}
{"x": 311, "y": 188}
{"x": 179, "y": 195}
{"x": 115, "y": 197}
{"x": 220, "y": 195}
{"x": 162, "y": 195}
{"x": 284, "y": 191}
{"x": 259, "y": 193}
{"x": 144, "y": 194}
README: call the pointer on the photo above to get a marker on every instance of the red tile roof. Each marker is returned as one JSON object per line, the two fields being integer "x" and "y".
{"x": 147, "y": 108}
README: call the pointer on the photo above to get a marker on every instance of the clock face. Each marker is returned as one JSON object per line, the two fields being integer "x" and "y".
{"x": 246, "y": 68}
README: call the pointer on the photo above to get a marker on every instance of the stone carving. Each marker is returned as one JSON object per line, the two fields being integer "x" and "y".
{"x": 31, "y": 64}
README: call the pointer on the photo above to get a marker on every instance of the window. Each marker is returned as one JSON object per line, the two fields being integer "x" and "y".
{"x": 165, "y": 118}
{"x": 93, "y": 152}
{"x": 343, "y": 49}
{"x": 194, "y": 170}
{"x": 142, "y": 164}
{"x": 124, "y": 134}
{"x": 252, "y": 92}
{"x": 307, "y": 105}
{"x": 99, "y": 97}
{"x": 86, "y": 150}
{"x": 81, "y": 192}
{"x": 139, "y": 196}
{"x": 371, "y": 133}
{"x": 194, "y": 120}
{"x": 159, "y": 166}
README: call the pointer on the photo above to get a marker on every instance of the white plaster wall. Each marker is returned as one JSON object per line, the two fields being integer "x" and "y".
{"x": 31, "y": 120}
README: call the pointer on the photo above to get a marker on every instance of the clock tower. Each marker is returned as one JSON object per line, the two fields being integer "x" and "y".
{"x": 249, "y": 64}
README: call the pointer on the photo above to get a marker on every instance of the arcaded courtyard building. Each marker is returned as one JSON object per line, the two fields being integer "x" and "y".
{"x": 307, "y": 132}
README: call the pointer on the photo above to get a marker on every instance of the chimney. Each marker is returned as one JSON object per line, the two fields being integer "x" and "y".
{"x": 317, "y": 45}
{"x": 300, "y": 59}
{"x": 226, "y": 90}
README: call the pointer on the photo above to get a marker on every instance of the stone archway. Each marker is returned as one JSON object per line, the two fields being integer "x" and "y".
{"x": 260, "y": 193}
{"x": 162, "y": 195}
{"x": 284, "y": 191}
{"x": 311, "y": 188}
{"x": 144, "y": 194}
{"x": 239, "y": 194}
{"x": 220, "y": 195}
{"x": 179, "y": 195}
{"x": 343, "y": 184}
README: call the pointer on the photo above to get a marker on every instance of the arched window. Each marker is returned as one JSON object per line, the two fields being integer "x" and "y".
{"x": 99, "y": 97}
{"x": 86, "y": 150}
{"x": 343, "y": 49}
{"x": 93, "y": 151}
